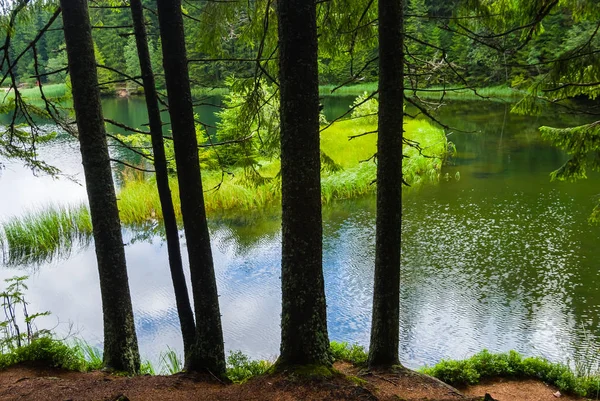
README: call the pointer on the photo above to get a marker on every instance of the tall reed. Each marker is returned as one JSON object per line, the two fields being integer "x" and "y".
{"x": 40, "y": 236}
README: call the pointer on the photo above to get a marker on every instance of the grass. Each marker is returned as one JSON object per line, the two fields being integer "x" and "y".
{"x": 200, "y": 91}
{"x": 50, "y": 91}
{"x": 501, "y": 92}
{"x": 485, "y": 365}
{"x": 139, "y": 202}
{"x": 42, "y": 235}
{"x": 355, "y": 89}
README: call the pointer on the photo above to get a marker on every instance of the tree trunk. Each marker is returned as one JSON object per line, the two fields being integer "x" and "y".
{"x": 385, "y": 325}
{"x": 304, "y": 338}
{"x": 120, "y": 341}
{"x": 208, "y": 351}
{"x": 184, "y": 310}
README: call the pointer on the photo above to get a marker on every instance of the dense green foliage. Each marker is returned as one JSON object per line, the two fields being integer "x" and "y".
{"x": 224, "y": 38}
{"x": 355, "y": 354}
{"x": 487, "y": 365}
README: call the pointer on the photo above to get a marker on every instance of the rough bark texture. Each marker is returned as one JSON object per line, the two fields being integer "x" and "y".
{"x": 120, "y": 341}
{"x": 208, "y": 351}
{"x": 304, "y": 338}
{"x": 385, "y": 325}
{"x": 184, "y": 309}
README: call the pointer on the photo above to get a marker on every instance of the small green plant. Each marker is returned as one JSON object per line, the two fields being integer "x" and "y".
{"x": 22, "y": 341}
{"x": 146, "y": 368}
{"x": 14, "y": 334}
{"x": 240, "y": 368}
{"x": 170, "y": 362}
{"x": 91, "y": 354}
{"x": 355, "y": 354}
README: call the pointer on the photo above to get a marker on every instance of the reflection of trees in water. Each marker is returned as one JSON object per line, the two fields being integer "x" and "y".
{"x": 243, "y": 232}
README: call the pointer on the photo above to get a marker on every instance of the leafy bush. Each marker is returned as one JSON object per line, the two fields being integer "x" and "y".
{"x": 240, "y": 368}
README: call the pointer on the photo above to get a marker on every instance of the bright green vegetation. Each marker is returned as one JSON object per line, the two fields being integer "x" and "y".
{"x": 355, "y": 354}
{"x": 347, "y": 173}
{"x": 354, "y": 89}
{"x": 240, "y": 368}
{"x": 457, "y": 92}
{"x": 50, "y": 352}
{"x": 501, "y": 92}
{"x": 485, "y": 365}
{"x": 52, "y": 91}
{"x": 44, "y": 234}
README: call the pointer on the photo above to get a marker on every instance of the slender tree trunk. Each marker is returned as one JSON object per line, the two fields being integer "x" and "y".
{"x": 120, "y": 341}
{"x": 184, "y": 310}
{"x": 385, "y": 325}
{"x": 304, "y": 338}
{"x": 208, "y": 351}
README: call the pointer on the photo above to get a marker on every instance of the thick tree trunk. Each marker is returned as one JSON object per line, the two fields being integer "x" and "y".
{"x": 120, "y": 341}
{"x": 184, "y": 310}
{"x": 304, "y": 338}
{"x": 208, "y": 351}
{"x": 385, "y": 325}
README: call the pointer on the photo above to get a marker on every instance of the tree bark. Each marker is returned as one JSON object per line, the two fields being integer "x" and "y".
{"x": 304, "y": 338}
{"x": 184, "y": 310}
{"x": 208, "y": 351}
{"x": 385, "y": 324}
{"x": 120, "y": 341}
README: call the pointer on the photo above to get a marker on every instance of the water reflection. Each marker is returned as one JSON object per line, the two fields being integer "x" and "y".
{"x": 500, "y": 259}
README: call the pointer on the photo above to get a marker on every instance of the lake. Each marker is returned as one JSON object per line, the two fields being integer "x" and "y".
{"x": 496, "y": 256}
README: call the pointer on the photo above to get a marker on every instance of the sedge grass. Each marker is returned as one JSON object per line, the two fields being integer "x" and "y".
{"x": 139, "y": 202}
{"x": 501, "y": 92}
{"x": 51, "y": 91}
{"x": 40, "y": 236}
{"x": 355, "y": 89}
{"x": 54, "y": 231}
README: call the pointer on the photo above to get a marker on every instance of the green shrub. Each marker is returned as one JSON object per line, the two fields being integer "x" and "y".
{"x": 485, "y": 365}
{"x": 240, "y": 368}
{"x": 47, "y": 351}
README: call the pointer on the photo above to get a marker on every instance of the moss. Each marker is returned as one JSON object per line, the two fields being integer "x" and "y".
{"x": 356, "y": 380}
{"x": 303, "y": 372}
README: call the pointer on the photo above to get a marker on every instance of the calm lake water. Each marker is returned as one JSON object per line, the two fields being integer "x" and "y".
{"x": 500, "y": 259}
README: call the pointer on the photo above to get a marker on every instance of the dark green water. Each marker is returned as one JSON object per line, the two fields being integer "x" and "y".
{"x": 500, "y": 258}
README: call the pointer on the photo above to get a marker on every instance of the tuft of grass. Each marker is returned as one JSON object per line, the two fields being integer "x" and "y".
{"x": 91, "y": 355}
{"x": 146, "y": 368}
{"x": 42, "y": 235}
{"x": 512, "y": 364}
{"x": 354, "y": 353}
{"x": 240, "y": 368}
{"x": 170, "y": 362}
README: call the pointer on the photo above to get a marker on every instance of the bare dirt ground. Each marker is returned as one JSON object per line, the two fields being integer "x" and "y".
{"x": 28, "y": 382}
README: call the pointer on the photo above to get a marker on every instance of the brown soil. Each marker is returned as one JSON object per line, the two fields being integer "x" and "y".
{"x": 27, "y": 382}
{"x": 519, "y": 390}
